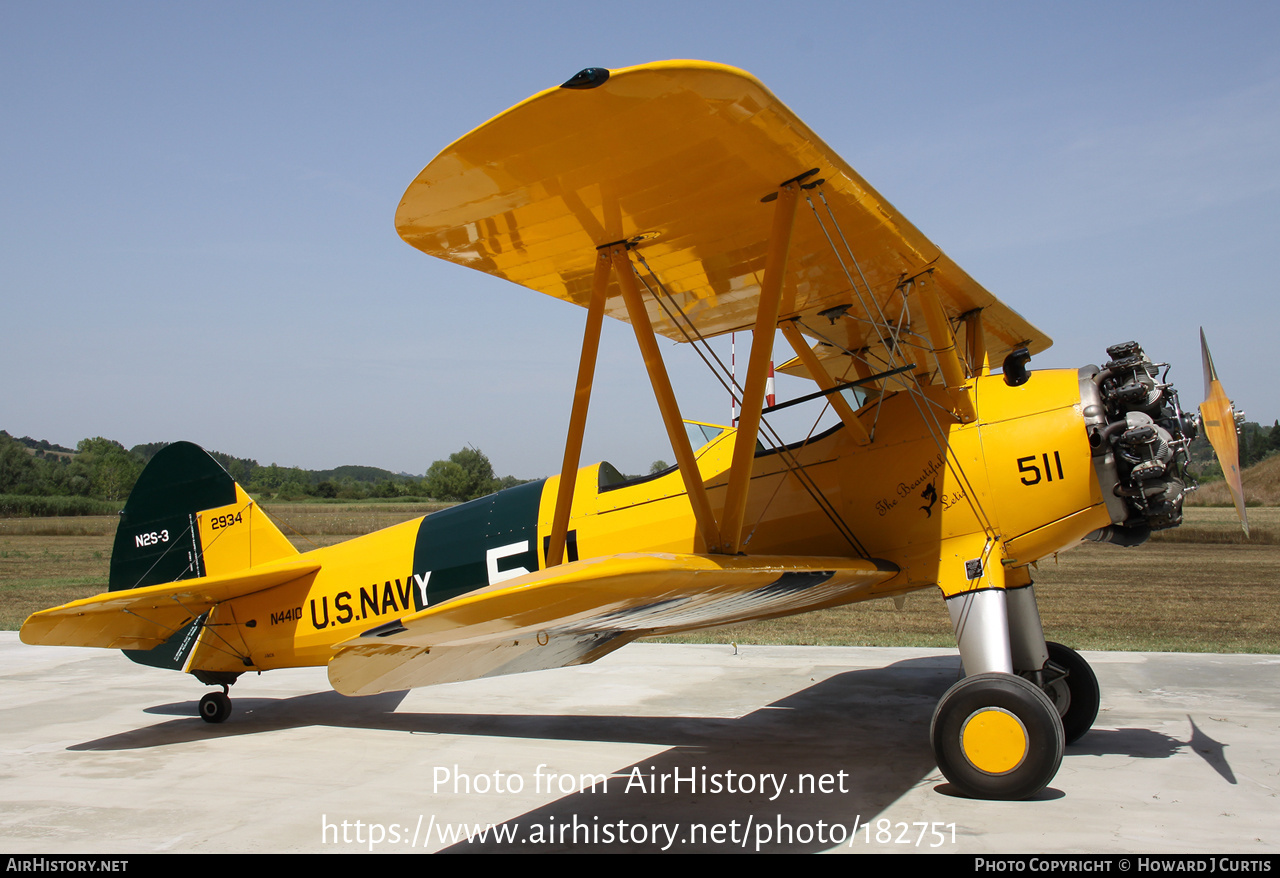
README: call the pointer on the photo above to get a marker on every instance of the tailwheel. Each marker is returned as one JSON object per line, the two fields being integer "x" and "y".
{"x": 1073, "y": 689}
{"x": 215, "y": 707}
{"x": 997, "y": 736}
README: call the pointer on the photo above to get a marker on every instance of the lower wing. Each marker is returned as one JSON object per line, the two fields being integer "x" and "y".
{"x": 578, "y": 612}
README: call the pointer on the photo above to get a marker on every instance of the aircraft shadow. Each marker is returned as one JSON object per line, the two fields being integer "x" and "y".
{"x": 854, "y": 690}
{"x": 1146, "y": 744}
{"x": 842, "y": 749}
{"x": 862, "y": 736}
{"x": 1211, "y": 751}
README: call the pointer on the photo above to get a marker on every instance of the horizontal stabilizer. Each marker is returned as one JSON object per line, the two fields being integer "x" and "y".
{"x": 143, "y": 618}
{"x": 575, "y": 613}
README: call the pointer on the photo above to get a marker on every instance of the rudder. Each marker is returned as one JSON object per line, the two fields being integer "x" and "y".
{"x": 186, "y": 518}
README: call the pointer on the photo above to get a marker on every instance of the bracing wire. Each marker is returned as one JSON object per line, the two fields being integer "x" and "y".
{"x": 723, "y": 375}
{"x": 928, "y": 413}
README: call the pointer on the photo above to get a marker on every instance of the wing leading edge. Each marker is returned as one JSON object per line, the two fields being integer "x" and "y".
{"x": 578, "y": 612}
{"x": 676, "y": 157}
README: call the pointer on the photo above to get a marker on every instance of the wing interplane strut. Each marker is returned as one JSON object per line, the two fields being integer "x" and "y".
{"x": 724, "y": 535}
{"x": 722, "y": 374}
{"x": 786, "y": 454}
{"x": 768, "y": 307}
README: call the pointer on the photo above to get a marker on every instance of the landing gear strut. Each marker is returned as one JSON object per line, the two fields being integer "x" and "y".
{"x": 1000, "y": 732}
{"x": 215, "y": 707}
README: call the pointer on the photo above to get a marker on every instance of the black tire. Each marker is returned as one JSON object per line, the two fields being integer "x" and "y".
{"x": 997, "y": 736}
{"x": 215, "y": 708}
{"x": 1076, "y": 696}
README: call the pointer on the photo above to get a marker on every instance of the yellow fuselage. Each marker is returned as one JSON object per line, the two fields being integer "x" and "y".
{"x": 928, "y": 494}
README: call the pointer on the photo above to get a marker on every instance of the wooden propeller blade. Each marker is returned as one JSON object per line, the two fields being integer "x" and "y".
{"x": 1218, "y": 416}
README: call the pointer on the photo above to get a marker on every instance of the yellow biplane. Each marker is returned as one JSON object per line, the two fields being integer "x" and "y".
{"x": 684, "y": 198}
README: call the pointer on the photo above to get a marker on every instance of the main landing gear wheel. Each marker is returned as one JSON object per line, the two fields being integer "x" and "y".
{"x": 215, "y": 707}
{"x": 1075, "y": 695}
{"x": 997, "y": 736}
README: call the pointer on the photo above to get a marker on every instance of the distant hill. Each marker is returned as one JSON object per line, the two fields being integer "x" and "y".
{"x": 101, "y": 469}
{"x": 41, "y": 447}
{"x": 1261, "y": 487}
{"x": 245, "y": 468}
{"x": 370, "y": 474}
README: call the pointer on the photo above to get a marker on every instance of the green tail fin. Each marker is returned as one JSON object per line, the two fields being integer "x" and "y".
{"x": 187, "y": 518}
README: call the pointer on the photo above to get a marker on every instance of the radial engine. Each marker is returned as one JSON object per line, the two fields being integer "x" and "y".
{"x": 1139, "y": 436}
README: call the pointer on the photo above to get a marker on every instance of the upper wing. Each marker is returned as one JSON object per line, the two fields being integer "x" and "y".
{"x": 677, "y": 155}
{"x": 578, "y": 612}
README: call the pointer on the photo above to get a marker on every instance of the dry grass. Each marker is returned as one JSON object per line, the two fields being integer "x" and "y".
{"x": 71, "y": 526}
{"x": 1216, "y": 594}
{"x": 1183, "y": 597}
{"x": 49, "y": 561}
{"x": 1261, "y": 486}
{"x": 1171, "y": 597}
{"x": 44, "y": 571}
{"x": 1205, "y": 524}
{"x": 345, "y": 519}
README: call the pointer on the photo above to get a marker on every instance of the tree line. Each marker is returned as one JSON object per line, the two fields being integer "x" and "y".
{"x": 102, "y": 471}
{"x": 1255, "y": 441}
{"x": 40, "y": 478}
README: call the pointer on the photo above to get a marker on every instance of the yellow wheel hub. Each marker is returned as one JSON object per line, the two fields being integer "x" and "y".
{"x": 993, "y": 740}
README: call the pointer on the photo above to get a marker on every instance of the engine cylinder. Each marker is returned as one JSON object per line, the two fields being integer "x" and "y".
{"x": 1139, "y": 436}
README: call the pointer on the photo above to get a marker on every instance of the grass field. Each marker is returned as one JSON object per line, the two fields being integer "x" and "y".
{"x": 1200, "y": 588}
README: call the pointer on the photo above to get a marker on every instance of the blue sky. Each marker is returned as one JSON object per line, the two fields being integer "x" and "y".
{"x": 197, "y": 240}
